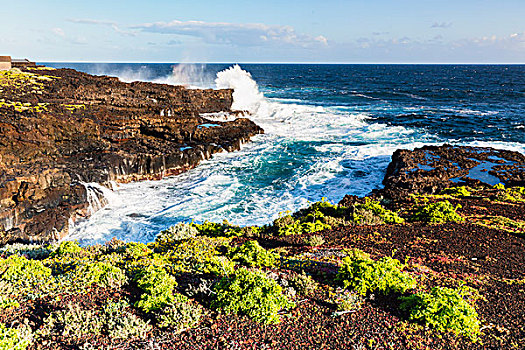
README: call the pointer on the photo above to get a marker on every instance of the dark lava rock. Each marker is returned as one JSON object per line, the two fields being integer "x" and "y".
{"x": 60, "y": 129}
{"x": 430, "y": 169}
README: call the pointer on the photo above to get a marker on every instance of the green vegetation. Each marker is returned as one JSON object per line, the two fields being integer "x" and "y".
{"x": 252, "y": 254}
{"x": 253, "y": 294}
{"x": 15, "y": 338}
{"x": 510, "y": 194}
{"x": 459, "y": 191}
{"x": 157, "y": 286}
{"x": 437, "y": 213}
{"x": 444, "y": 309}
{"x": 180, "y": 315}
{"x": 362, "y": 274}
{"x": 372, "y": 213}
{"x": 303, "y": 284}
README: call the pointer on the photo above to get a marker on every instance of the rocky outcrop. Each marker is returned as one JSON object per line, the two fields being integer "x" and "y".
{"x": 61, "y": 129}
{"x": 430, "y": 169}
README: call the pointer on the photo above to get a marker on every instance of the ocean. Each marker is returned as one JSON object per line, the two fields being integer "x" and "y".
{"x": 330, "y": 130}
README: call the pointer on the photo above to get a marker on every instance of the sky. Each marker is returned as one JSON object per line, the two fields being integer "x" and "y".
{"x": 321, "y": 31}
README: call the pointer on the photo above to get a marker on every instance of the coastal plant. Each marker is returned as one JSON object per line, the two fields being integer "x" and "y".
{"x": 157, "y": 286}
{"x": 167, "y": 238}
{"x": 219, "y": 266}
{"x": 198, "y": 255}
{"x": 286, "y": 225}
{"x": 444, "y": 309}
{"x": 252, "y": 254}
{"x": 459, "y": 191}
{"x": 314, "y": 240}
{"x": 180, "y": 315}
{"x": 19, "y": 338}
{"x": 303, "y": 284}
{"x": 510, "y": 194}
{"x": 119, "y": 323}
{"x": 136, "y": 251}
{"x": 346, "y": 301}
{"x": 72, "y": 322}
{"x": 65, "y": 248}
{"x": 31, "y": 251}
{"x": 362, "y": 274}
{"x": 101, "y": 273}
{"x": 213, "y": 229}
{"x": 437, "y": 213}
{"x": 373, "y": 213}
{"x": 21, "y": 277}
{"x": 252, "y": 293}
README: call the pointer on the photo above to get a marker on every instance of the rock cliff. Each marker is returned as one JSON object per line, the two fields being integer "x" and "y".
{"x": 61, "y": 129}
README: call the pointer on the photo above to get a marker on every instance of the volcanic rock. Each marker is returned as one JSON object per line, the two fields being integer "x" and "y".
{"x": 61, "y": 129}
{"x": 431, "y": 169}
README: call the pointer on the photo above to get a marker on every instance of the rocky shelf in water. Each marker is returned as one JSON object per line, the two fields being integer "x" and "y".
{"x": 60, "y": 129}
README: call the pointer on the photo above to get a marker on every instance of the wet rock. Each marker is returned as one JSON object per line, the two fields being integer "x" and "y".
{"x": 430, "y": 169}
{"x": 62, "y": 128}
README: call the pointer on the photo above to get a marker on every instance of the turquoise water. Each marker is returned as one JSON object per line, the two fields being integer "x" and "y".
{"x": 330, "y": 130}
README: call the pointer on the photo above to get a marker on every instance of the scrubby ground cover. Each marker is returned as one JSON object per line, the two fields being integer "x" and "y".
{"x": 370, "y": 275}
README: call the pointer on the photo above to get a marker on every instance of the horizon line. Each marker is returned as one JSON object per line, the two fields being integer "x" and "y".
{"x": 320, "y": 63}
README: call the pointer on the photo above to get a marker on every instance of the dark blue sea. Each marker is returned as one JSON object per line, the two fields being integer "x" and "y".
{"x": 330, "y": 131}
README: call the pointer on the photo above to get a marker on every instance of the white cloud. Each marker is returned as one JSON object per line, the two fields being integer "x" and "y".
{"x": 113, "y": 25}
{"x": 242, "y": 34}
{"x": 441, "y": 25}
{"x": 59, "y": 32}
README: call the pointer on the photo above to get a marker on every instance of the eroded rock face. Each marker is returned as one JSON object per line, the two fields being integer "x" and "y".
{"x": 61, "y": 128}
{"x": 430, "y": 169}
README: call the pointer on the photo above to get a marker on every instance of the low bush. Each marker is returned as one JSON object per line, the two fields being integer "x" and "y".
{"x": 213, "y": 229}
{"x": 167, "y": 238}
{"x": 444, "y": 309}
{"x": 372, "y": 213}
{"x": 66, "y": 248}
{"x": 15, "y": 338}
{"x": 252, "y": 254}
{"x": 180, "y": 315}
{"x": 362, "y": 274}
{"x": 119, "y": 323}
{"x": 314, "y": 241}
{"x": 73, "y": 322}
{"x": 303, "y": 284}
{"x": 437, "y": 213}
{"x": 345, "y": 300}
{"x": 459, "y": 191}
{"x": 253, "y": 294}
{"x": 100, "y": 273}
{"x": 157, "y": 286}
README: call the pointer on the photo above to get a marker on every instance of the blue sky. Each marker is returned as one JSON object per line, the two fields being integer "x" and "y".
{"x": 353, "y": 31}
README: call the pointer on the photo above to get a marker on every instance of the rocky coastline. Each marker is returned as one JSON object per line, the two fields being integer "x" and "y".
{"x": 61, "y": 129}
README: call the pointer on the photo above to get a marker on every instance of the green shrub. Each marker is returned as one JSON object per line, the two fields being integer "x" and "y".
{"x": 460, "y": 191}
{"x": 314, "y": 241}
{"x": 252, "y": 254}
{"x": 180, "y": 315}
{"x": 220, "y": 266}
{"x": 372, "y": 213}
{"x": 121, "y": 324}
{"x": 304, "y": 284}
{"x": 31, "y": 251}
{"x": 251, "y": 293}
{"x": 286, "y": 225}
{"x": 137, "y": 250}
{"x": 362, "y": 274}
{"x": 157, "y": 286}
{"x": 510, "y": 194}
{"x": 345, "y": 300}
{"x": 20, "y": 269}
{"x": 73, "y": 322}
{"x": 15, "y": 338}
{"x": 66, "y": 248}
{"x": 100, "y": 273}
{"x": 213, "y": 229}
{"x": 167, "y": 238}
{"x": 198, "y": 255}
{"x": 437, "y": 213}
{"x": 444, "y": 309}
